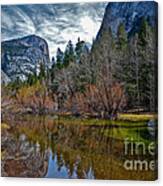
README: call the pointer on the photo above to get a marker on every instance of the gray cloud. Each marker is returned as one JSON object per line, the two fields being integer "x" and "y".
{"x": 57, "y": 23}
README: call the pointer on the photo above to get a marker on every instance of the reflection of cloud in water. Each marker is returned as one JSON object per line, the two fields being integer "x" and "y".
{"x": 72, "y": 148}
{"x": 58, "y": 169}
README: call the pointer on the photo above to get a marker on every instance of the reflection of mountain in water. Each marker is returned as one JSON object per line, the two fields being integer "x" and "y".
{"x": 77, "y": 150}
{"x": 23, "y": 159}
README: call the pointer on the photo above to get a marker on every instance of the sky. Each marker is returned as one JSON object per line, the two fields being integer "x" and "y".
{"x": 56, "y": 23}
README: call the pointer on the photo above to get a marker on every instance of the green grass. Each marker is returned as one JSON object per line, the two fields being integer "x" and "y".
{"x": 123, "y": 120}
{"x": 137, "y": 117}
{"x": 98, "y": 122}
{"x": 132, "y": 126}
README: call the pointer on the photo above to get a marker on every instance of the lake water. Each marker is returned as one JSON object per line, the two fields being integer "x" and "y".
{"x": 54, "y": 147}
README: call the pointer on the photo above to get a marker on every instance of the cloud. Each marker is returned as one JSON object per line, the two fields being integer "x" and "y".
{"x": 57, "y": 23}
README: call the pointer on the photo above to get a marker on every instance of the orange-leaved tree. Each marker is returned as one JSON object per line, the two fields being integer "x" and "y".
{"x": 35, "y": 97}
{"x": 103, "y": 101}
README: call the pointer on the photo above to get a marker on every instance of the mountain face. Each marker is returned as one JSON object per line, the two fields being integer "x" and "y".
{"x": 130, "y": 14}
{"x": 21, "y": 57}
{"x": 4, "y": 78}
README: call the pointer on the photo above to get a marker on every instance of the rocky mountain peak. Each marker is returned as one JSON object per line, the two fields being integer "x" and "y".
{"x": 130, "y": 14}
{"x": 22, "y": 56}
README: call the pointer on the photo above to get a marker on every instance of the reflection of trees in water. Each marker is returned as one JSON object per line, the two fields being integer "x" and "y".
{"x": 80, "y": 148}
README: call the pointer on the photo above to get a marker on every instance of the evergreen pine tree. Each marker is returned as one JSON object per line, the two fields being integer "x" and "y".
{"x": 148, "y": 66}
{"x": 69, "y": 55}
{"x": 79, "y": 49}
{"x": 59, "y": 58}
{"x": 122, "y": 39}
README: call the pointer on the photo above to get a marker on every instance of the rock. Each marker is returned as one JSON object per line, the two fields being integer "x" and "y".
{"x": 130, "y": 14}
{"x": 4, "y": 78}
{"x": 21, "y": 57}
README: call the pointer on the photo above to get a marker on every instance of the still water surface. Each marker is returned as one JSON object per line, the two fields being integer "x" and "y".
{"x": 72, "y": 148}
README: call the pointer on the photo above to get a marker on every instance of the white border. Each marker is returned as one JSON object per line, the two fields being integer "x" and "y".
{"x": 58, "y": 182}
